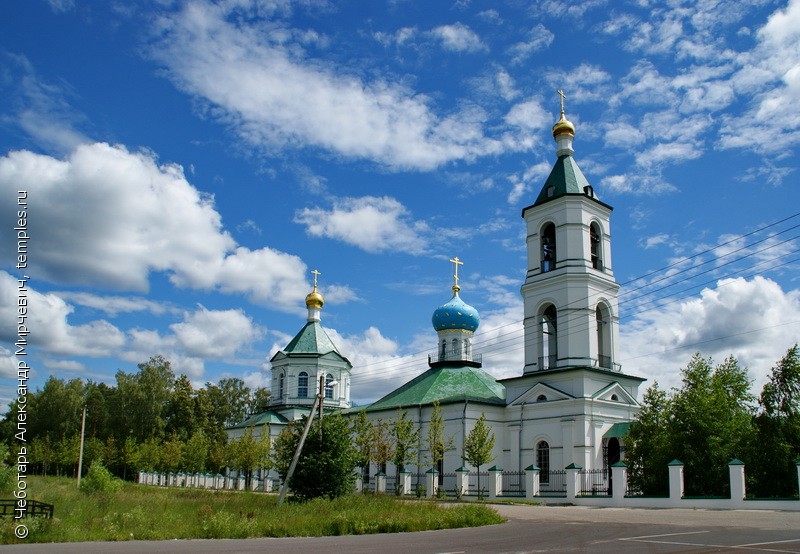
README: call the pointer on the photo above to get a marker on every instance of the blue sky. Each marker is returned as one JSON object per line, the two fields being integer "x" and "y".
{"x": 188, "y": 164}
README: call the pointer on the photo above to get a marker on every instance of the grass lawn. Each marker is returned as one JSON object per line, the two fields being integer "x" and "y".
{"x": 149, "y": 513}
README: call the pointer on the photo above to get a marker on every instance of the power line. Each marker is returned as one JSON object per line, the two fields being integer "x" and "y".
{"x": 410, "y": 361}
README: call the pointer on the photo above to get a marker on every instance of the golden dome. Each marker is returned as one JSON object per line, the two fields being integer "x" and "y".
{"x": 563, "y": 126}
{"x": 314, "y": 299}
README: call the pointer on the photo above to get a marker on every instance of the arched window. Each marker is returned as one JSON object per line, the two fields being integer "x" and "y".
{"x": 548, "y": 247}
{"x": 455, "y": 350}
{"x": 329, "y": 386}
{"x": 443, "y": 355}
{"x": 281, "y": 385}
{"x": 596, "y": 246}
{"x": 467, "y": 348}
{"x": 603, "y": 337}
{"x": 541, "y": 398}
{"x": 549, "y": 339}
{"x": 543, "y": 461}
{"x": 302, "y": 385}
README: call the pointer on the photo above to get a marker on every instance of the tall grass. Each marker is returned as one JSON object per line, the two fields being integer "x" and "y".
{"x": 149, "y": 513}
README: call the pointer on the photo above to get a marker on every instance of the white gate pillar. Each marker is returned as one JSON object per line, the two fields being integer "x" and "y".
{"x": 532, "y": 481}
{"x": 675, "y": 479}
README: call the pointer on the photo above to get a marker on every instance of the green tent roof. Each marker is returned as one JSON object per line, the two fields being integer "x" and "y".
{"x": 565, "y": 178}
{"x": 444, "y": 384}
{"x": 262, "y": 418}
{"x": 311, "y": 340}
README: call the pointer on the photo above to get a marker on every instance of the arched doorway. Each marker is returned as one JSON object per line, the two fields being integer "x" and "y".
{"x": 613, "y": 452}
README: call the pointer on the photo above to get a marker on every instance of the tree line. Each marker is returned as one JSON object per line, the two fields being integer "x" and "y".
{"x": 149, "y": 420}
{"x": 153, "y": 420}
{"x": 714, "y": 418}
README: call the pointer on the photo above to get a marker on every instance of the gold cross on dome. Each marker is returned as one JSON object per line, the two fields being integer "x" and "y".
{"x": 456, "y": 262}
{"x": 316, "y": 273}
{"x": 563, "y": 96}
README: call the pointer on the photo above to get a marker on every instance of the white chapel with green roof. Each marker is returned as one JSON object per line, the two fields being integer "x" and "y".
{"x": 570, "y": 404}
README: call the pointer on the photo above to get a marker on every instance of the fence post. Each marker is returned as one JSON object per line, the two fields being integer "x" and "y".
{"x": 675, "y": 479}
{"x": 798, "y": 475}
{"x": 432, "y": 482}
{"x": 495, "y": 481}
{"x": 462, "y": 481}
{"x": 404, "y": 481}
{"x": 532, "y": 477}
{"x": 573, "y": 473}
{"x": 380, "y": 482}
{"x": 736, "y": 473}
{"x": 619, "y": 480}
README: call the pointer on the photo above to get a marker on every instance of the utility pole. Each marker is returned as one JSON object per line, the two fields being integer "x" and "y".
{"x": 80, "y": 455}
{"x": 319, "y": 398}
{"x": 321, "y": 401}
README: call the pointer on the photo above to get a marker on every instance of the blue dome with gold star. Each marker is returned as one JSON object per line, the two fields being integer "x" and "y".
{"x": 456, "y": 315}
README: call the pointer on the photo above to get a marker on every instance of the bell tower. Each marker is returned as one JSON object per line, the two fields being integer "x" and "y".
{"x": 570, "y": 293}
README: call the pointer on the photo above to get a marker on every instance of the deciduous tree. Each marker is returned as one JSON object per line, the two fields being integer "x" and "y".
{"x": 479, "y": 446}
{"x": 777, "y": 431}
{"x": 326, "y": 463}
{"x": 438, "y": 441}
{"x": 650, "y": 444}
{"x": 382, "y": 443}
{"x": 362, "y": 439}
{"x": 406, "y": 441}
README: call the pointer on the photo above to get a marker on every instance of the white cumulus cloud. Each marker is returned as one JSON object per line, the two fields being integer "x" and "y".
{"x": 115, "y": 216}
{"x": 374, "y": 224}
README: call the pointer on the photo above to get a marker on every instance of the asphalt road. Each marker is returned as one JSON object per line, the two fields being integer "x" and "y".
{"x": 529, "y": 529}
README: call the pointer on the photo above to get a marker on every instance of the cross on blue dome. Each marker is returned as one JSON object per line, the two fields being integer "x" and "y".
{"x": 456, "y": 314}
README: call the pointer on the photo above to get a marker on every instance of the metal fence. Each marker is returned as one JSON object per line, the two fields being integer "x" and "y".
{"x": 513, "y": 483}
{"x": 553, "y": 483}
{"x": 593, "y": 482}
{"x": 472, "y": 483}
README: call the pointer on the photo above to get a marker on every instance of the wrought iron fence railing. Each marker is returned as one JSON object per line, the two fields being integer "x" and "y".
{"x": 553, "y": 483}
{"x": 593, "y": 482}
{"x": 513, "y": 483}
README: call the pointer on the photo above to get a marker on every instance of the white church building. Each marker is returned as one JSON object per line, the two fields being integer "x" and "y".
{"x": 571, "y": 402}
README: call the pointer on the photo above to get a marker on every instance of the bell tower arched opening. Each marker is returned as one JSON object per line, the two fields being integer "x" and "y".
{"x": 548, "y": 354}
{"x": 596, "y": 246}
{"x": 548, "y": 253}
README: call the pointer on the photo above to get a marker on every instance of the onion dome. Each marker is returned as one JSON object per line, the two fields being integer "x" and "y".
{"x": 563, "y": 126}
{"x": 314, "y": 299}
{"x": 456, "y": 315}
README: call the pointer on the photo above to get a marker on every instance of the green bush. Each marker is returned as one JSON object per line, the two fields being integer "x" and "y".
{"x": 7, "y": 473}
{"x": 100, "y": 480}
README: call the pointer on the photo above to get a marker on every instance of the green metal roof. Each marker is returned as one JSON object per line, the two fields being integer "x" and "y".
{"x": 617, "y": 430}
{"x": 311, "y": 340}
{"x": 262, "y": 418}
{"x": 444, "y": 384}
{"x": 565, "y": 178}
